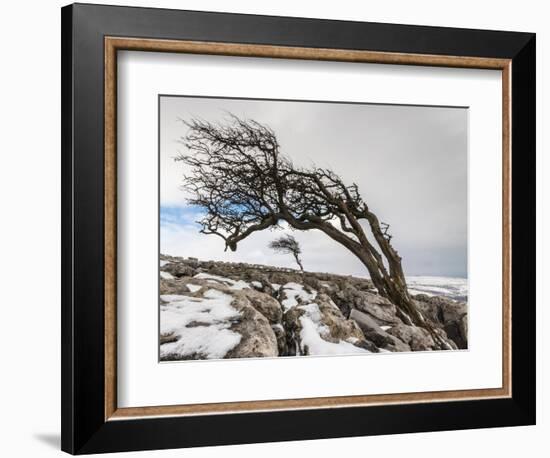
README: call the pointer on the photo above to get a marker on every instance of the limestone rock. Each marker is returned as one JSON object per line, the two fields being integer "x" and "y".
{"x": 212, "y": 322}
{"x": 319, "y": 313}
{"x": 417, "y": 338}
{"x": 319, "y": 327}
{"x": 257, "y": 336}
{"x": 379, "y": 308}
{"x": 178, "y": 269}
{"x": 265, "y": 304}
{"x": 448, "y": 315}
{"x": 375, "y": 334}
{"x": 175, "y": 286}
{"x": 281, "y": 336}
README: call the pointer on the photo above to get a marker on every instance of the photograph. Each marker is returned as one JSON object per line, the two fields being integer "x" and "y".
{"x": 309, "y": 228}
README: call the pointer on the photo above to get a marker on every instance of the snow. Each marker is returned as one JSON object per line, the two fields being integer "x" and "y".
{"x": 451, "y": 287}
{"x": 232, "y": 284}
{"x": 172, "y": 297}
{"x": 193, "y": 288}
{"x": 256, "y": 284}
{"x": 275, "y": 286}
{"x": 295, "y": 291}
{"x": 313, "y": 331}
{"x": 166, "y": 275}
{"x": 207, "y": 341}
{"x": 163, "y": 263}
{"x": 313, "y": 313}
{"x": 385, "y": 328}
{"x": 210, "y": 316}
{"x": 418, "y": 291}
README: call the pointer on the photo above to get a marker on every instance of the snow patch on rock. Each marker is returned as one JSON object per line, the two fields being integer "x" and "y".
{"x": 293, "y": 292}
{"x": 200, "y": 326}
{"x": 231, "y": 284}
{"x": 314, "y": 333}
{"x": 193, "y": 288}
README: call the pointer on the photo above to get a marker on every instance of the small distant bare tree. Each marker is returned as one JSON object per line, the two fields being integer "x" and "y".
{"x": 245, "y": 184}
{"x": 287, "y": 244}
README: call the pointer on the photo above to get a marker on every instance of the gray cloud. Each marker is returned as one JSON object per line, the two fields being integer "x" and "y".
{"x": 410, "y": 163}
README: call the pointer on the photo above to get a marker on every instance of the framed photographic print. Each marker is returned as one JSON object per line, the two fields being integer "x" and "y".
{"x": 271, "y": 222}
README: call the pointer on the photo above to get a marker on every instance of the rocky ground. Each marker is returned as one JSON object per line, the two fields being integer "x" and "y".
{"x": 213, "y": 310}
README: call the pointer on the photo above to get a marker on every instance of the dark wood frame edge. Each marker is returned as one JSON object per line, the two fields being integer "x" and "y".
{"x": 83, "y": 424}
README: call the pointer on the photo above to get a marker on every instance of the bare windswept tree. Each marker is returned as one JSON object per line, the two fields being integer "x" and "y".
{"x": 239, "y": 176}
{"x": 287, "y": 244}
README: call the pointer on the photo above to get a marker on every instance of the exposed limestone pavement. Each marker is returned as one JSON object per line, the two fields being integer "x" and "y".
{"x": 214, "y": 310}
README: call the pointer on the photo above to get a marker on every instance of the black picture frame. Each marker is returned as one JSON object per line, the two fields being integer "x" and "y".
{"x": 84, "y": 428}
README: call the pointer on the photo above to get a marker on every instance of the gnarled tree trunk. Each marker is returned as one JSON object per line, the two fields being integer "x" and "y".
{"x": 389, "y": 281}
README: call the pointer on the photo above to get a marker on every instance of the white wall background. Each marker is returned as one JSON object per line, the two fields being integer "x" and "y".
{"x": 30, "y": 230}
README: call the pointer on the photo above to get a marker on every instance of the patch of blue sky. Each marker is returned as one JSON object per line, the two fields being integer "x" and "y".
{"x": 180, "y": 216}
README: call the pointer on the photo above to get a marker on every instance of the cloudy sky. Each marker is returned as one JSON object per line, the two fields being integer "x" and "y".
{"x": 410, "y": 163}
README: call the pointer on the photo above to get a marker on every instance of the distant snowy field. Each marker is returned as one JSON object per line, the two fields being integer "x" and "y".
{"x": 451, "y": 287}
